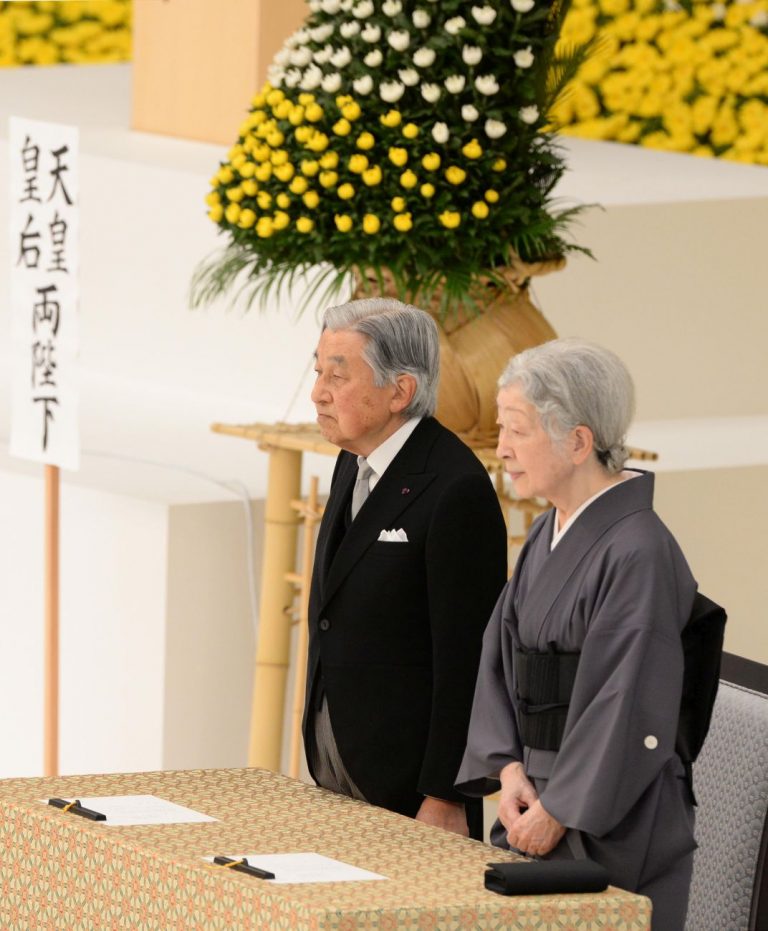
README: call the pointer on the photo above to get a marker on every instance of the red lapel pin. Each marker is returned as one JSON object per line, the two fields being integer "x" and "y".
{"x": 405, "y": 491}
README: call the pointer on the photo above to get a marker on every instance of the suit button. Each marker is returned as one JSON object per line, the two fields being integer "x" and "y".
{"x": 325, "y": 624}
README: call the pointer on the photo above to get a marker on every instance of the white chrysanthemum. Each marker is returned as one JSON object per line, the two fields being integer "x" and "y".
{"x": 454, "y": 84}
{"x": 363, "y": 9}
{"x": 718, "y": 12}
{"x": 301, "y": 57}
{"x": 484, "y": 15}
{"x": 529, "y": 114}
{"x": 472, "y": 54}
{"x": 321, "y": 33}
{"x": 363, "y": 85}
{"x": 399, "y": 39}
{"x": 495, "y": 129}
{"x": 455, "y": 25}
{"x": 421, "y": 19}
{"x": 283, "y": 57}
{"x": 522, "y": 6}
{"x": 323, "y": 55}
{"x": 275, "y": 75}
{"x": 524, "y": 57}
{"x": 469, "y": 113}
{"x": 341, "y": 57}
{"x": 349, "y": 29}
{"x": 391, "y": 7}
{"x": 431, "y": 92}
{"x": 311, "y": 78}
{"x": 292, "y": 77}
{"x": 424, "y": 57}
{"x": 330, "y": 6}
{"x": 331, "y": 82}
{"x": 409, "y": 76}
{"x": 487, "y": 84}
{"x": 301, "y": 36}
{"x": 315, "y": 5}
{"x": 759, "y": 19}
{"x": 374, "y": 58}
{"x": 440, "y": 133}
{"x": 347, "y": 5}
{"x": 391, "y": 91}
{"x": 371, "y": 33}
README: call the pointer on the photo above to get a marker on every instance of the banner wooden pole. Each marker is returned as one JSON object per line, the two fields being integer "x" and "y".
{"x": 51, "y": 635}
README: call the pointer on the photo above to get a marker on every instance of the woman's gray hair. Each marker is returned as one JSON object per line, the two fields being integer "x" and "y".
{"x": 571, "y": 382}
{"x": 401, "y": 340}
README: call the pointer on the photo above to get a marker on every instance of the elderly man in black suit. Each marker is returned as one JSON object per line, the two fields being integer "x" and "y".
{"x": 411, "y": 556}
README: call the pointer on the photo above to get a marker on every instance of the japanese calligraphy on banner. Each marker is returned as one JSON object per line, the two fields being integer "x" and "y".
{"x": 44, "y": 291}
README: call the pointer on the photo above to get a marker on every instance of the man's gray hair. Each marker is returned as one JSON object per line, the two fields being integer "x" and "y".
{"x": 571, "y": 382}
{"x": 401, "y": 340}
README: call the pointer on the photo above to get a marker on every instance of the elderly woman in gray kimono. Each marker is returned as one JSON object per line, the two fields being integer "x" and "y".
{"x": 576, "y": 706}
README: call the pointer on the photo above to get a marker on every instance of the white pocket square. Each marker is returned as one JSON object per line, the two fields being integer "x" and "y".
{"x": 393, "y": 536}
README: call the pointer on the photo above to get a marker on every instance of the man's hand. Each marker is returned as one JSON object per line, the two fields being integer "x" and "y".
{"x": 442, "y": 814}
{"x": 536, "y": 831}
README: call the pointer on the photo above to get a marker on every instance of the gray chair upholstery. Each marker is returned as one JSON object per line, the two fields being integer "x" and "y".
{"x": 730, "y": 779}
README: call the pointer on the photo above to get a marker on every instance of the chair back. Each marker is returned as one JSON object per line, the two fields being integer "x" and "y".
{"x": 730, "y": 778}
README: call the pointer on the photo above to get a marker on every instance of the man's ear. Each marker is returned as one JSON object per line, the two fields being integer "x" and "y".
{"x": 405, "y": 389}
{"x": 582, "y": 444}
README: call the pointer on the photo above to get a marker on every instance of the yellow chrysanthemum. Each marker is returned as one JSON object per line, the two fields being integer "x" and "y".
{"x": 366, "y": 141}
{"x": 310, "y": 167}
{"x": 299, "y": 184}
{"x": 235, "y": 194}
{"x": 408, "y": 179}
{"x": 351, "y": 111}
{"x": 342, "y": 127}
{"x": 330, "y": 160}
{"x": 480, "y": 209}
{"x": 499, "y": 165}
{"x": 472, "y": 149}
{"x": 450, "y": 219}
{"x": 328, "y": 178}
{"x": 346, "y": 191}
{"x": 311, "y": 199}
{"x": 283, "y": 200}
{"x": 455, "y": 175}
{"x": 357, "y": 163}
{"x": 343, "y": 222}
{"x": 264, "y": 200}
{"x": 305, "y": 224}
{"x": 427, "y": 190}
{"x": 280, "y": 220}
{"x": 403, "y": 222}
{"x": 372, "y": 176}
{"x": 313, "y": 112}
{"x": 410, "y": 130}
{"x": 391, "y": 118}
{"x": 232, "y": 213}
{"x": 247, "y": 219}
{"x": 371, "y": 223}
{"x": 431, "y": 161}
{"x": 284, "y": 172}
{"x": 492, "y": 196}
{"x": 398, "y": 204}
{"x": 216, "y": 212}
{"x": 398, "y": 156}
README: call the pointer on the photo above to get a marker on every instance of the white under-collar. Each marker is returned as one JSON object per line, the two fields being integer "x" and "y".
{"x": 557, "y": 535}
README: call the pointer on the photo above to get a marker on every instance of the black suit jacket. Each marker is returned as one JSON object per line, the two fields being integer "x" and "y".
{"x": 395, "y": 629}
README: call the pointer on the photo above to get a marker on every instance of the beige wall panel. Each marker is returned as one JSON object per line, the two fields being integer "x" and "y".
{"x": 209, "y": 635}
{"x": 719, "y": 517}
{"x": 678, "y": 290}
{"x": 197, "y": 63}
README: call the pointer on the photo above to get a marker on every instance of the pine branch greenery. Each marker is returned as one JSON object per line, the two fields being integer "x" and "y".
{"x": 399, "y": 139}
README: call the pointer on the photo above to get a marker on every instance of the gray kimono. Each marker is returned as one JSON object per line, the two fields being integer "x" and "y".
{"x": 618, "y": 589}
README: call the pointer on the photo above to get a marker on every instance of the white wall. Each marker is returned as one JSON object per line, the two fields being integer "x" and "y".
{"x": 113, "y": 585}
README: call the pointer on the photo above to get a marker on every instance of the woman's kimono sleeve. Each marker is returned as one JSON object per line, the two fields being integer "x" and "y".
{"x": 492, "y": 740}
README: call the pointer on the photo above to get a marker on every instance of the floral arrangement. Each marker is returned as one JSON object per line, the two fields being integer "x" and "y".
{"x": 65, "y": 31}
{"x": 397, "y": 135}
{"x": 689, "y": 79}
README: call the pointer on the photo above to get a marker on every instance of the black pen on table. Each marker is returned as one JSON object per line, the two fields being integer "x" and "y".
{"x": 76, "y": 808}
{"x": 243, "y": 866}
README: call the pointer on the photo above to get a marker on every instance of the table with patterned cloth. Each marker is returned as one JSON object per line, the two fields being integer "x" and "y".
{"x": 60, "y": 872}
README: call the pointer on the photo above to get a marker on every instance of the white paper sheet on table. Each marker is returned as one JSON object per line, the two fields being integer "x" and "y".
{"x": 304, "y": 868}
{"x": 124, "y": 810}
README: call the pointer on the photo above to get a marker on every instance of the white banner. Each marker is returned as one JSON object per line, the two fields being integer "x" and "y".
{"x": 44, "y": 291}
